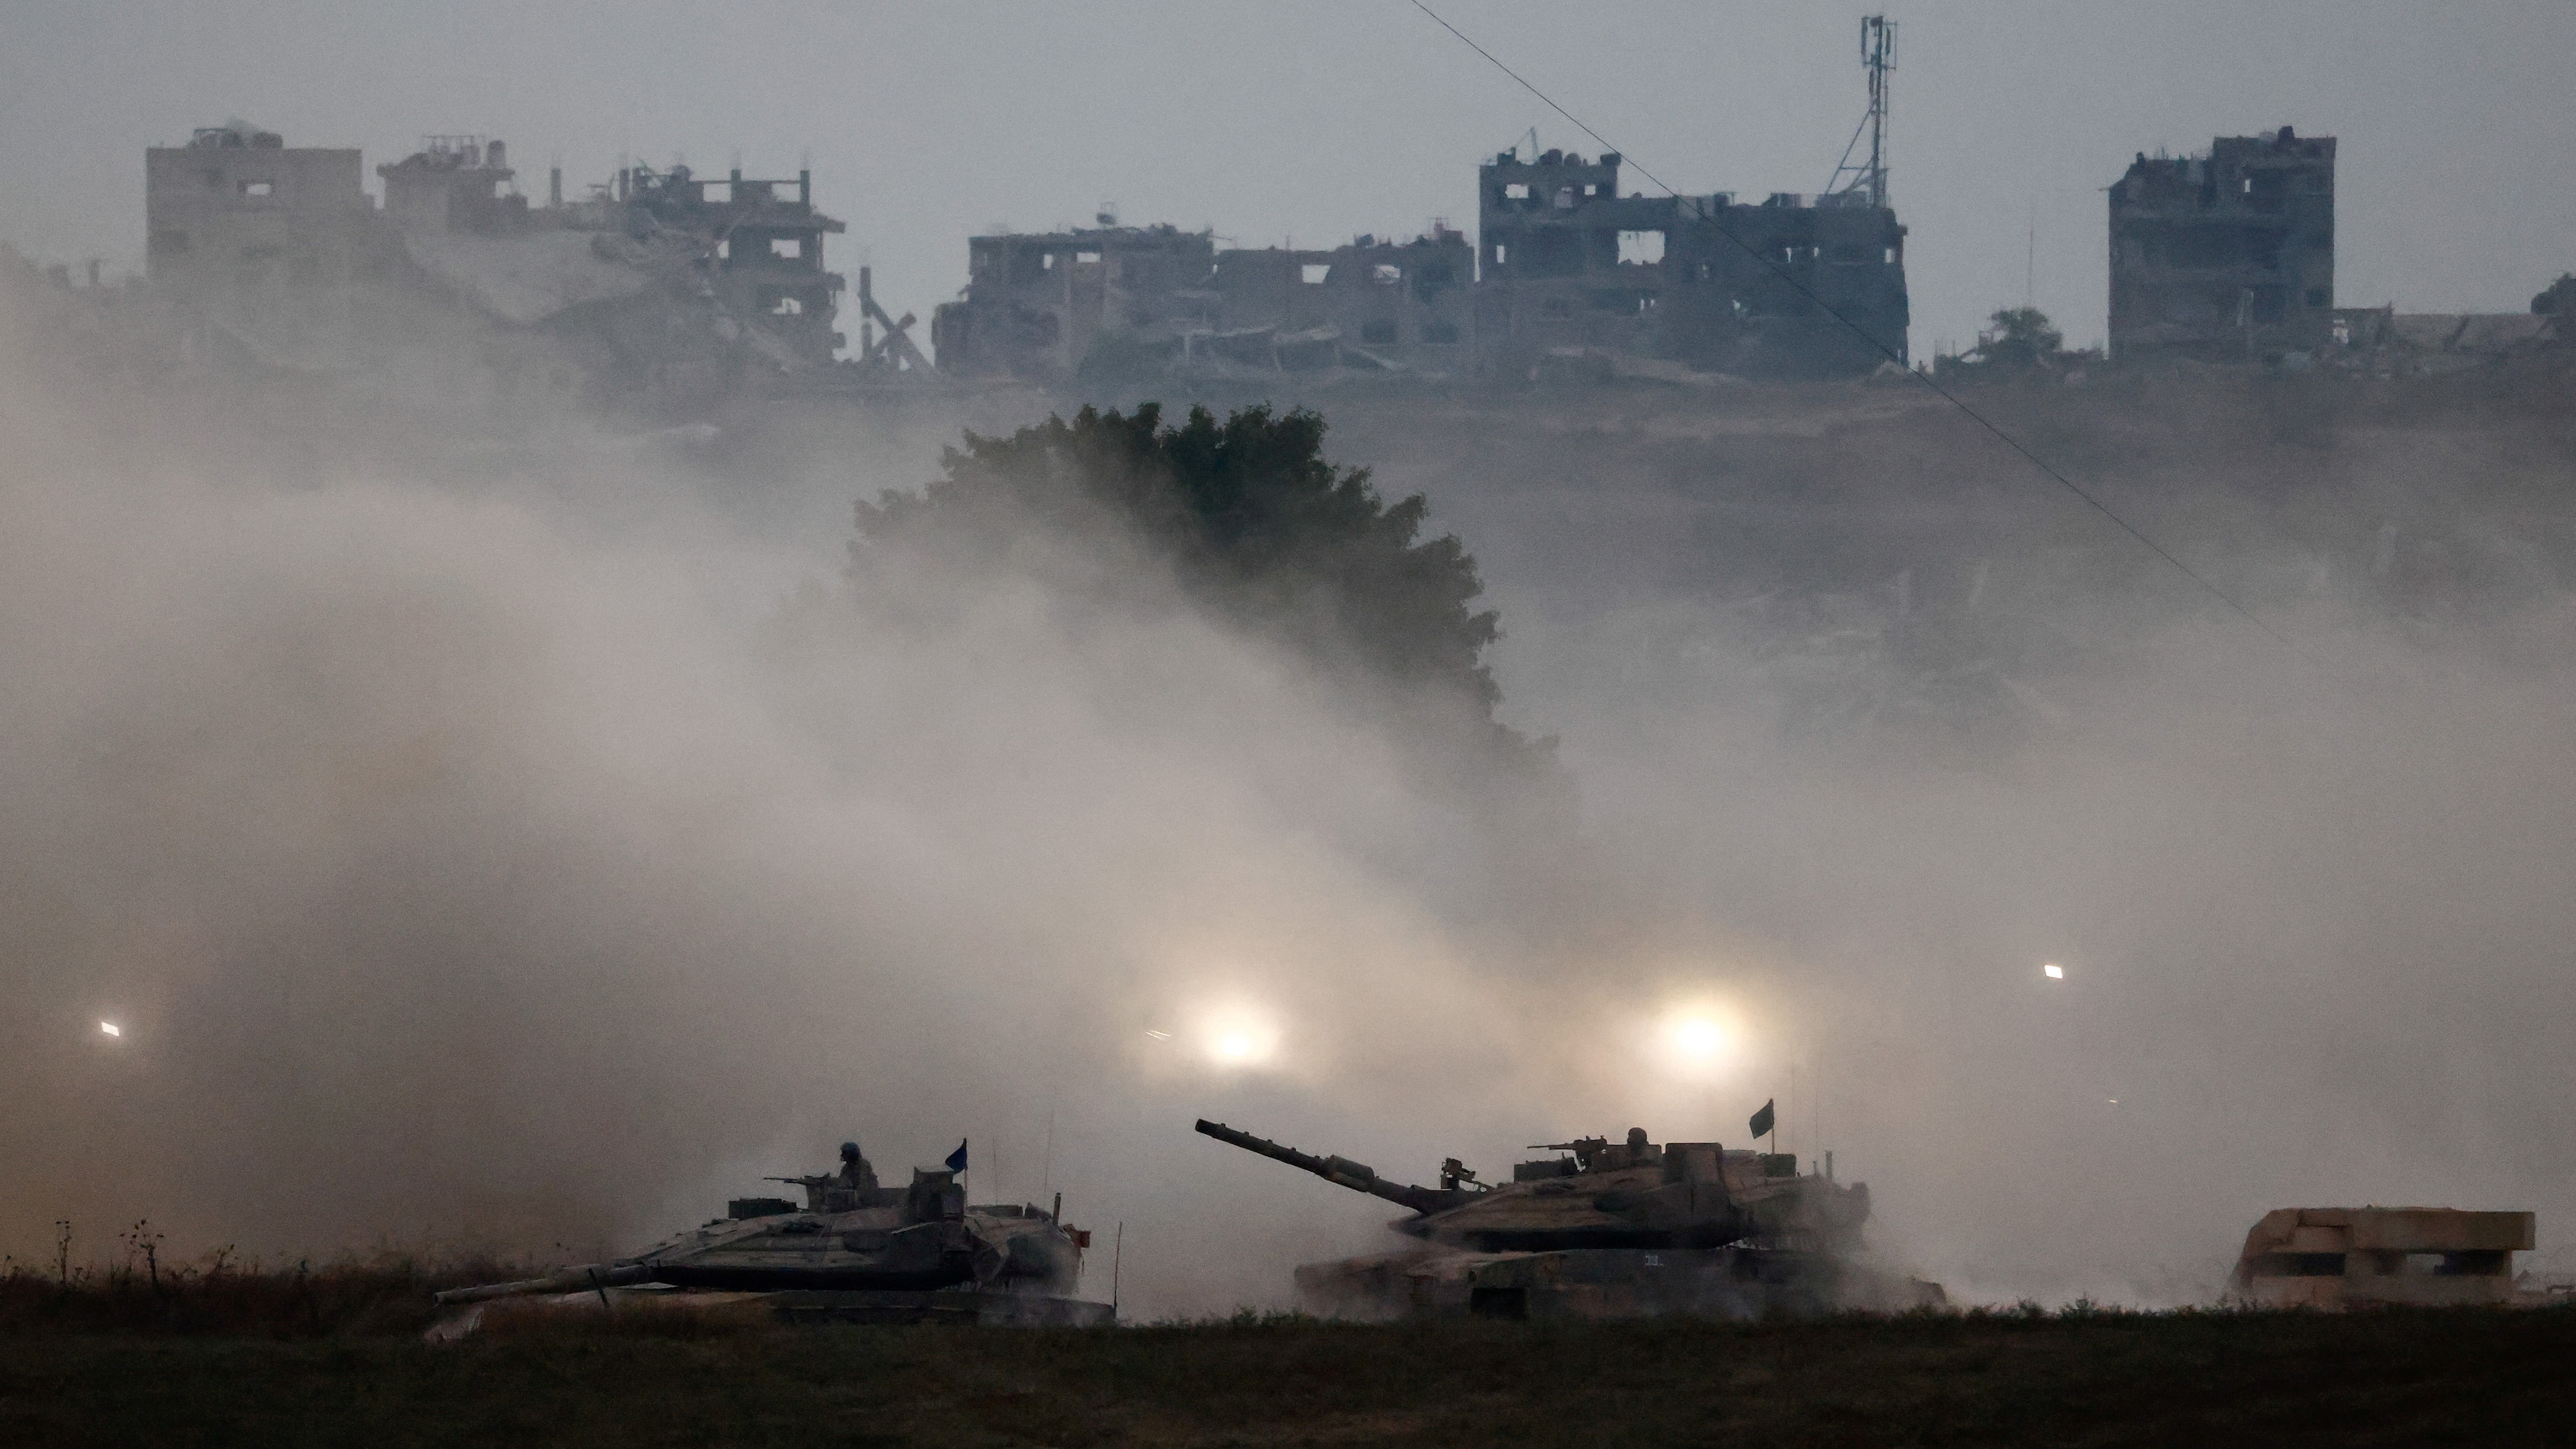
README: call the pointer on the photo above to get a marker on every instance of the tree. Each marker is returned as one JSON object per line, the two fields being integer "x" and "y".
{"x": 2019, "y": 337}
{"x": 1251, "y": 518}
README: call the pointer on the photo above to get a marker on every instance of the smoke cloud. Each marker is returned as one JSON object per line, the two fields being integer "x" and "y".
{"x": 519, "y": 839}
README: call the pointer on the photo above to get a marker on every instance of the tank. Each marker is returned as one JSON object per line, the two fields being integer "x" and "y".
{"x": 1608, "y": 1230}
{"x": 853, "y": 1251}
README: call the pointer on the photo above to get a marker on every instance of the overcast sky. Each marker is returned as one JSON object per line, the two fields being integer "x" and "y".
{"x": 1318, "y": 119}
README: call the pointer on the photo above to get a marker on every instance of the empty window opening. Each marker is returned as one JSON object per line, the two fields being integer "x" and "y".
{"x": 2298, "y": 1265}
{"x": 1386, "y": 274}
{"x": 1516, "y": 191}
{"x": 717, "y": 193}
{"x": 1049, "y": 264}
{"x": 1086, "y": 259}
{"x": 787, "y": 307}
{"x": 1591, "y": 188}
{"x": 1502, "y": 253}
{"x": 1890, "y": 258}
{"x": 792, "y": 247}
{"x": 1315, "y": 272}
{"x": 1565, "y": 198}
{"x": 2246, "y": 187}
{"x": 1641, "y": 248}
{"x": 258, "y": 188}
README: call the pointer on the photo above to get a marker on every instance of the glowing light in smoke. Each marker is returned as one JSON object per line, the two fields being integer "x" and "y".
{"x": 1239, "y": 1039}
{"x": 1698, "y": 1041}
{"x": 1158, "y": 1035}
{"x": 2053, "y": 971}
{"x": 110, "y": 1028}
{"x": 1698, "y": 1038}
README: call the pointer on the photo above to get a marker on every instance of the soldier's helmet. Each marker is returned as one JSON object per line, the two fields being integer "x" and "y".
{"x": 849, "y": 1152}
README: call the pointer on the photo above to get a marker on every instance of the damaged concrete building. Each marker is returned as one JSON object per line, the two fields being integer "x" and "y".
{"x": 1570, "y": 267}
{"x": 758, "y": 247}
{"x": 236, "y": 209}
{"x": 2226, "y": 257}
{"x": 1375, "y": 303}
{"x": 660, "y": 287}
{"x": 1565, "y": 274}
{"x": 1124, "y": 300}
{"x": 2331, "y": 1259}
{"x": 1563, "y": 268}
{"x": 1043, "y": 304}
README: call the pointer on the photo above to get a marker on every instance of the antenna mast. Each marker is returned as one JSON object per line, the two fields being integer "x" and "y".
{"x": 1878, "y": 57}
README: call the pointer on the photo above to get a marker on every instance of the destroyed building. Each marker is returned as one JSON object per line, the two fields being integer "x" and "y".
{"x": 660, "y": 287}
{"x": 454, "y": 184}
{"x": 1791, "y": 286}
{"x": 238, "y": 210}
{"x": 2227, "y": 257}
{"x": 1039, "y": 305}
{"x": 1375, "y": 303}
{"x": 1123, "y": 299}
{"x": 758, "y": 245}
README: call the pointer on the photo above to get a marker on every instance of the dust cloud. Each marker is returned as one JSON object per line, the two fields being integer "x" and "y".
{"x": 513, "y": 837}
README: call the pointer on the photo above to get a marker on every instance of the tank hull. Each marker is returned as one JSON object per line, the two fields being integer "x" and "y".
{"x": 963, "y": 1306}
{"x": 1736, "y": 1282}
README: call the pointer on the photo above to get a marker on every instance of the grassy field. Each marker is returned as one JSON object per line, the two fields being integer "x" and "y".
{"x": 2394, "y": 1378}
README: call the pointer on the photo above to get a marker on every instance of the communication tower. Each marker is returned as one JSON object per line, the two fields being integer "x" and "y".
{"x": 1878, "y": 57}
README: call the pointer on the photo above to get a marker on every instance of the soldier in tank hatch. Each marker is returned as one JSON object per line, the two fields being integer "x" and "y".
{"x": 855, "y": 1172}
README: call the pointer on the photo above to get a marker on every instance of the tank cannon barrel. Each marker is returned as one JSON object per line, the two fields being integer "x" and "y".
{"x": 570, "y": 1280}
{"x": 1357, "y": 1176}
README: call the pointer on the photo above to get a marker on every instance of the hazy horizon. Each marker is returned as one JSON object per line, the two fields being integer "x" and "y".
{"x": 1318, "y": 121}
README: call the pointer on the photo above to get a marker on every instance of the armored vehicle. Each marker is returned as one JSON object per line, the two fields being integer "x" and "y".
{"x": 1606, "y": 1230}
{"x": 856, "y": 1252}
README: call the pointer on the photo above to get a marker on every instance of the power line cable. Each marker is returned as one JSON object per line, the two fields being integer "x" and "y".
{"x": 1925, "y": 378}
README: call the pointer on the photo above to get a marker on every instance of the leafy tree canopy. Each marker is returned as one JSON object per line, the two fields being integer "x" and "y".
{"x": 2020, "y": 337}
{"x": 1251, "y": 517}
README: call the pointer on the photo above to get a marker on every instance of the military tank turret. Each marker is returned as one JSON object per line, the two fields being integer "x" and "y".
{"x": 1608, "y": 1229}
{"x": 856, "y": 1251}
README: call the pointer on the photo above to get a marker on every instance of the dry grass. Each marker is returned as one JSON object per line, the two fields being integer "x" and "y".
{"x": 2083, "y": 1378}
{"x": 378, "y": 1294}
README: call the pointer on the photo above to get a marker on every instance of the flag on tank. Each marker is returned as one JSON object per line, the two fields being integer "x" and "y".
{"x": 1761, "y": 1124}
{"x": 957, "y": 1159}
